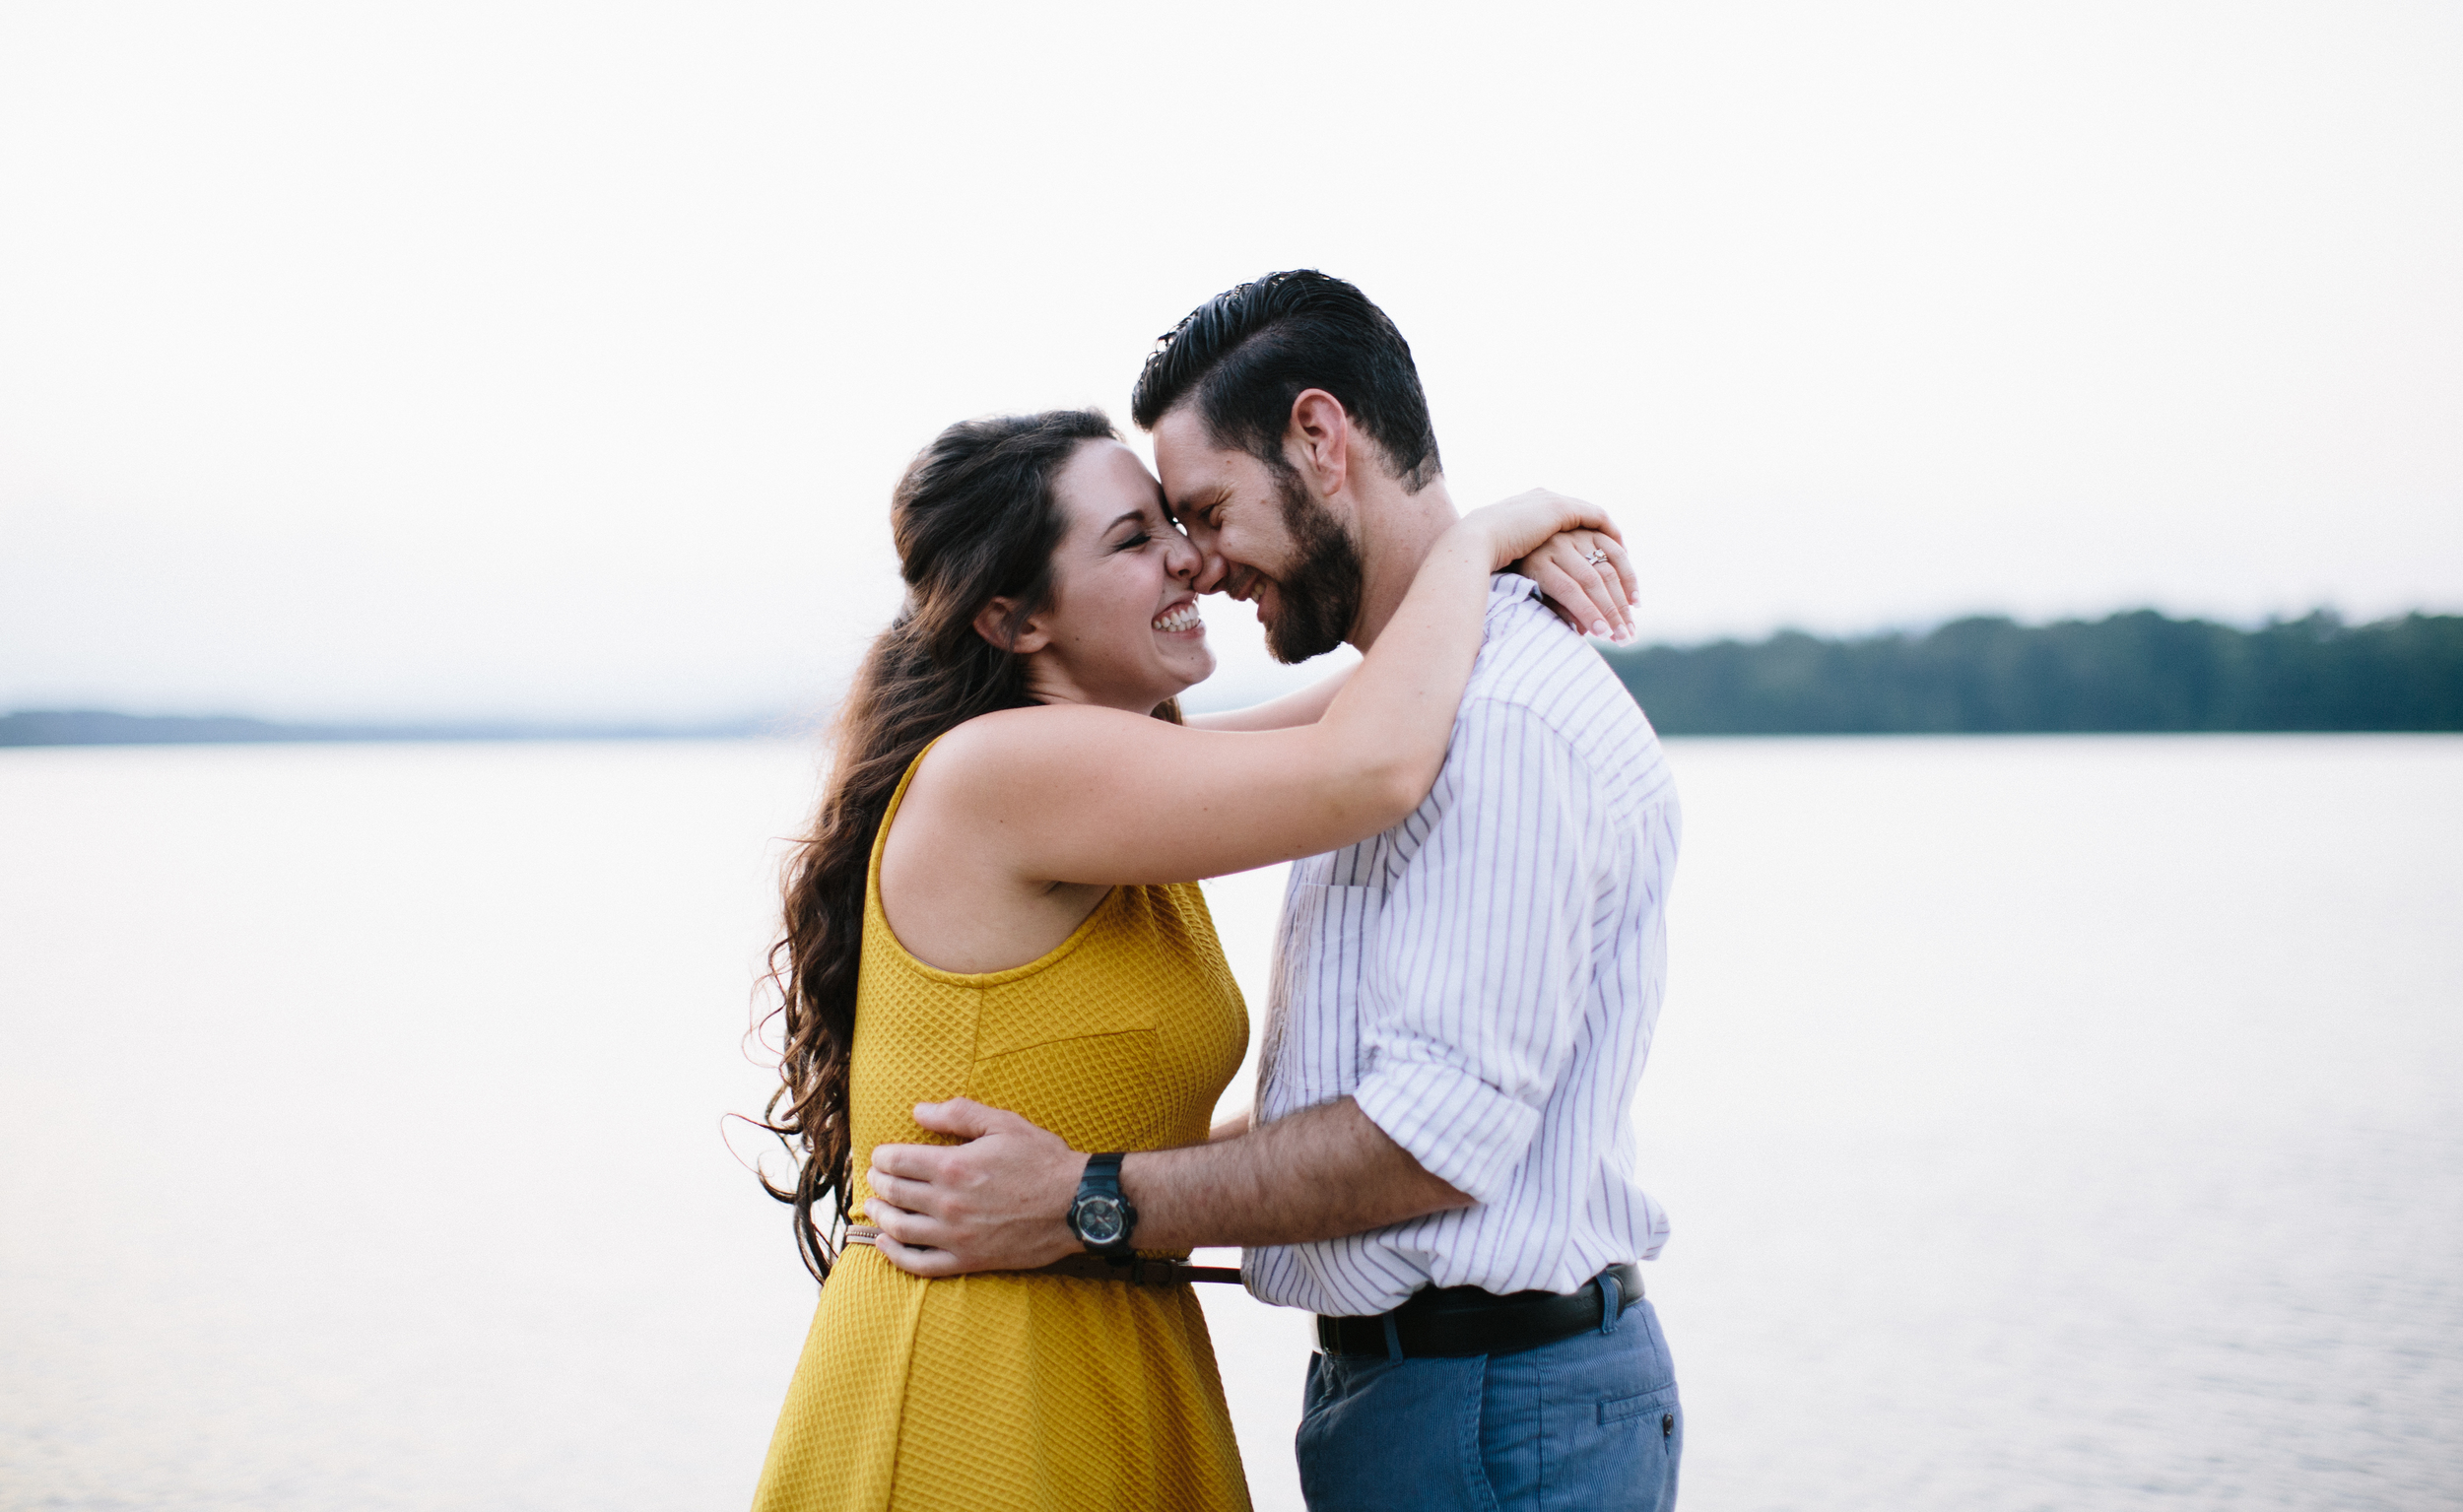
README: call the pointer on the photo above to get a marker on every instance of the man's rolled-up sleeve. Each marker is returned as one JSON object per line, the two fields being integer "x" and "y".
{"x": 1480, "y": 964}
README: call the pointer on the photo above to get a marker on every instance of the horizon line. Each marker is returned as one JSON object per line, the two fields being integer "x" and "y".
{"x": 89, "y": 726}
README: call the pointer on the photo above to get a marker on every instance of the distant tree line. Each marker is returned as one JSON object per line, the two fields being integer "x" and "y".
{"x": 2131, "y": 672}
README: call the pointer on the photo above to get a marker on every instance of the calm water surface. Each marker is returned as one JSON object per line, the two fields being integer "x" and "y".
{"x": 2046, "y": 1124}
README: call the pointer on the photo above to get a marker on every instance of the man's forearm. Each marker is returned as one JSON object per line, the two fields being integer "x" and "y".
{"x": 1317, "y": 1174}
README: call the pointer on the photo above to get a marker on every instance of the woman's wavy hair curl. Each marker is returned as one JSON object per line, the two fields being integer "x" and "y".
{"x": 975, "y": 517}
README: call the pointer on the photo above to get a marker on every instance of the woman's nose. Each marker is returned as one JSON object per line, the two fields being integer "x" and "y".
{"x": 1196, "y": 567}
{"x": 1186, "y": 561}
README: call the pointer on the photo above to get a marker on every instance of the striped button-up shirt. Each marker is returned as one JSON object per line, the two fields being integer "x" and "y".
{"x": 1483, "y": 979}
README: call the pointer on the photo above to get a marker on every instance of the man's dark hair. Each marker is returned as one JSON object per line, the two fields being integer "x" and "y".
{"x": 1249, "y": 352}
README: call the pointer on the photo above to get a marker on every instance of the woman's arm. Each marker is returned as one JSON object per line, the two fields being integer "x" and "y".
{"x": 1584, "y": 575}
{"x": 1073, "y": 793}
{"x": 1304, "y": 707}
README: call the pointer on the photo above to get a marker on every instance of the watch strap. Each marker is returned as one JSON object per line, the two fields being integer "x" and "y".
{"x": 1103, "y": 1174}
{"x": 1103, "y": 1179}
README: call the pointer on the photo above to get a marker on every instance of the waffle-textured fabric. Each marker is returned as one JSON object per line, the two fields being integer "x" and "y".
{"x": 1001, "y": 1391}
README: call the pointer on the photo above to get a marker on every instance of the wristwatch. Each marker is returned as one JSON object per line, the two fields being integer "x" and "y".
{"x": 1100, "y": 1217}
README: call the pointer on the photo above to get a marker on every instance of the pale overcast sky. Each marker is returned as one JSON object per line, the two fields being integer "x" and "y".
{"x": 436, "y": 360}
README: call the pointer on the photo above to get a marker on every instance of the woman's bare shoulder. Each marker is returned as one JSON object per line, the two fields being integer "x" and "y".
{"x": 951, "y": 887}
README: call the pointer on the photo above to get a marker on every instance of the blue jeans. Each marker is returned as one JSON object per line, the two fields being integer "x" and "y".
{"x": 1589, "y": 1423}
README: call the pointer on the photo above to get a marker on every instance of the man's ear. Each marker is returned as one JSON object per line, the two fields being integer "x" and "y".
{"x": 992, "y": 624}
{"x": 1318, "y": 440}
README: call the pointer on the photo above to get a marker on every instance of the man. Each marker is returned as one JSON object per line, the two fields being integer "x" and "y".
{"x": 1442, "y": 1163}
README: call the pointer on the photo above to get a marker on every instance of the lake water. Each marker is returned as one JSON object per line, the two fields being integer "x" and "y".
{"x": 2046, "y": 1124}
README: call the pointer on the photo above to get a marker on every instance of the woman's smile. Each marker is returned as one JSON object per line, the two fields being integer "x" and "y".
{"x": 1182, "y": 618}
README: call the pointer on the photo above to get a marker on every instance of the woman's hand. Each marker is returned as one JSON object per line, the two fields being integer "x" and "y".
{"x": 1572, "y": 550}
{"x": 1587, "y": 580}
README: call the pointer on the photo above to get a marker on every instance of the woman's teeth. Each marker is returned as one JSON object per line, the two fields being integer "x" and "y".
{"x": 1182, "y": 617}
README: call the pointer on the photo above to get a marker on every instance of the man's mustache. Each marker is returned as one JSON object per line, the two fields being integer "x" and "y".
{"x": 1241, "y": 584}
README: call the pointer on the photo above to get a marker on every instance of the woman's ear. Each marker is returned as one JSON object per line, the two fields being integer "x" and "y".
{"x": 992, "y": 624}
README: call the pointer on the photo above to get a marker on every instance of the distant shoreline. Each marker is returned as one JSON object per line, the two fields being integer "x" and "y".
{"x": 2140, "y": 672}
{"x": 101, "y": 727}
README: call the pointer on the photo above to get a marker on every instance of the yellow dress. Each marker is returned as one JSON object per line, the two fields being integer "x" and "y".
{"x": 1004, "y": 1391}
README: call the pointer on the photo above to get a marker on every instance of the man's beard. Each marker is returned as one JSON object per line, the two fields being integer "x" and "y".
{"x": 1319, "y": 597}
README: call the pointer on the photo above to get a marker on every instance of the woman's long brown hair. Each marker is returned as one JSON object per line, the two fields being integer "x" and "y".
{"x": 975, "y": 518}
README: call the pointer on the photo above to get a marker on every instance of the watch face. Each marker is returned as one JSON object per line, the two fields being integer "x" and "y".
{"x": 1099, "y": 1219}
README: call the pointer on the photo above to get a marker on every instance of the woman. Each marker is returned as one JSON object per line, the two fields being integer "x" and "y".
{"x": 1065, "y": 967}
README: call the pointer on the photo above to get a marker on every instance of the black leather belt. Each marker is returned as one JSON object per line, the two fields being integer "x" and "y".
{"x": 1136, "y": 1270}
{"x": 1450, "y": 1322}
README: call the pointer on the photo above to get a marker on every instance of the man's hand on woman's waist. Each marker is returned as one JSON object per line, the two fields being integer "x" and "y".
{"x": 1000, "y": 1200}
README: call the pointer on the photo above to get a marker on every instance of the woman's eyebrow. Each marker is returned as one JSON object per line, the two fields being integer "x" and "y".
{"x": 1133, "y": 516}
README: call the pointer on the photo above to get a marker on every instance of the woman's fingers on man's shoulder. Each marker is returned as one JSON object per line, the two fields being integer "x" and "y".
{"x": 1625, "y": 575}
{"x": 1605, "y": 586}
{"x": 1577, "y": 589}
